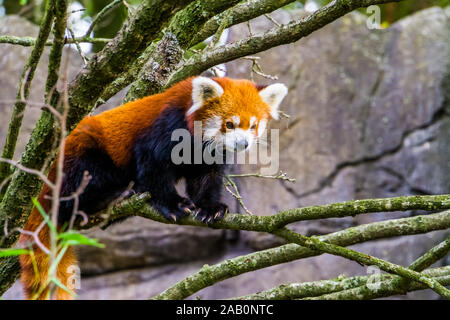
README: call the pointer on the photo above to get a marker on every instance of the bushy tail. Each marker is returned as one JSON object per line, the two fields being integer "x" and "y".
{"x": 35, "y": 273}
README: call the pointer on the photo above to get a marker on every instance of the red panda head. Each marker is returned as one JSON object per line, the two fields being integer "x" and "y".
{"x": 234, "y": 113}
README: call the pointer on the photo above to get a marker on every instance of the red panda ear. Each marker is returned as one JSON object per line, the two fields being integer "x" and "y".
{"x": 273, "y": 95}
{"x": 259, "y": 87}
{"x": 203, "y": 89}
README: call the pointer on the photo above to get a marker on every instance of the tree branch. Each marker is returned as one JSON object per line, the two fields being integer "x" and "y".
{"x": 169, "y": 51}
{"x": 30, "y": 41}
{"x": 239, "y": 13}
{"x": 357, "y": 288}
{"x": 328, "y": 287}
{"x": 84, "y": 90}
{"x": 396, "y": 285}
{"x": 137, "y": 205}
{"x": 101, "y": 14}
{"x": 135, "y": 35}
{"x": 314, "y": 243}
{"x": 23, "y": 91}
{"x": 210, "y": 275}
{"x": 287, "y": 33}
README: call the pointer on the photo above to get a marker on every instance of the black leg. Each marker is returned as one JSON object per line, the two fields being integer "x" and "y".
{"x": 106, "y": 184}
{"x": 155, "y": 171}
{"x": 205, "y": 190}
{"x": 159, "y": 182}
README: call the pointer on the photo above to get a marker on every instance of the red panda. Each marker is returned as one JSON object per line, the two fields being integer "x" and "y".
{"x": 133, "y": 143}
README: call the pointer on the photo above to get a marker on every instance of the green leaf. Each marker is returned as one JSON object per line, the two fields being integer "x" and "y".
{"x": 72, "y": 238}
{"x": 23, "y": 2}
{"x": 57, "y": 260}
{"x": 44, "y": 215}
{"x": 12, "y": 252}
{"x": 59, "y": 284}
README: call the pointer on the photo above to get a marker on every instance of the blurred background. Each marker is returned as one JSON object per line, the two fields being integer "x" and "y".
{"x": 369, "y": 117}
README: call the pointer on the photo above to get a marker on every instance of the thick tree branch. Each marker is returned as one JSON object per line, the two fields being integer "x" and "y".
{"x": 325, "y": 288}
{"x": 396, "y": 285}
{"x": 14, "y": 192}
{"x": 137, "y": 205}
{"x": 136, "y": 34}
{"x": 169, "y": 51}
{"x": 357, "y": 288}
{"x": 288, "y": 33}
{"x": 239, "y": 13}
{"x": 23, "y": 91}
{"x": 314, "y": 243}
{"x": 210, "y": 275}
{"x": 84, "y": 90}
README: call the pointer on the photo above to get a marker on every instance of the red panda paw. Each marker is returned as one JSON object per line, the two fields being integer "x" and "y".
{"x": 186, "y": 206}
{"x": 177, "y": 209}
{"x": 210, "y": 213}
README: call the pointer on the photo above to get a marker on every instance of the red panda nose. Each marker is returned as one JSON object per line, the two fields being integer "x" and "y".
{"x": 241, "y": 145}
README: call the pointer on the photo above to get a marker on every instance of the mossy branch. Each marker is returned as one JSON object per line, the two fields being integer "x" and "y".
{"x": 176, "y": 26}
{"x": 133, "y": 38}
{"x": 23, "y": 90}
{"x": 138, "y": 205}
{"x": 30, "y": 41}
{"x": 210, "y": 275}
{"x": 277, "y": 36}
{"x": 169, "y": 51}
{"x": 314, "y": 243}
{"x": 324, "y": 289}
{"x": 397, "y": 285}
{"x": 241, "y": 12}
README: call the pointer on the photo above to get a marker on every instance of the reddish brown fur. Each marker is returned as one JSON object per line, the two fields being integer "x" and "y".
{"x": 114, "y": 132}
{"x": 32, "y": 282}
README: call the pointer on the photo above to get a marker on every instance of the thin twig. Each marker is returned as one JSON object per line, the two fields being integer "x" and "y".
{"x": 77, "y": 45}
{"x": 35, "y": 172}
{"x": 229, "y": 182}
{"x": 101, "y": 14}
{"x": 30, "y": 41}
{"x": 268, "y": 16}
{"x": 280, "y": 176}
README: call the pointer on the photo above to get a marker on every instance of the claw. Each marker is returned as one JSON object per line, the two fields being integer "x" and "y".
{"x": 174, "y": 217}
{"x": 187, "y": 210}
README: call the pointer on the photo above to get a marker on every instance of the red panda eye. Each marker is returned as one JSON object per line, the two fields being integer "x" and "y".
{"x": 253, "y": 127}
{"x": 230, "y": 125}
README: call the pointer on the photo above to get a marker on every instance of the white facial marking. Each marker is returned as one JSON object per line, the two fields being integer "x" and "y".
{"x": 252, "y": 121}
{"x": 203, "y": 89}
{"x": 236, "y": 120}
{"x": 262, "y": 127}
{"x": 273, "y": 95}
{"x": 238, "y": 140}
{"x": 211, "y": 127}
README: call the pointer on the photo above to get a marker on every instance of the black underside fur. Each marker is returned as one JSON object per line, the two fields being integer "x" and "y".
{"x": 151, "y": 170}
